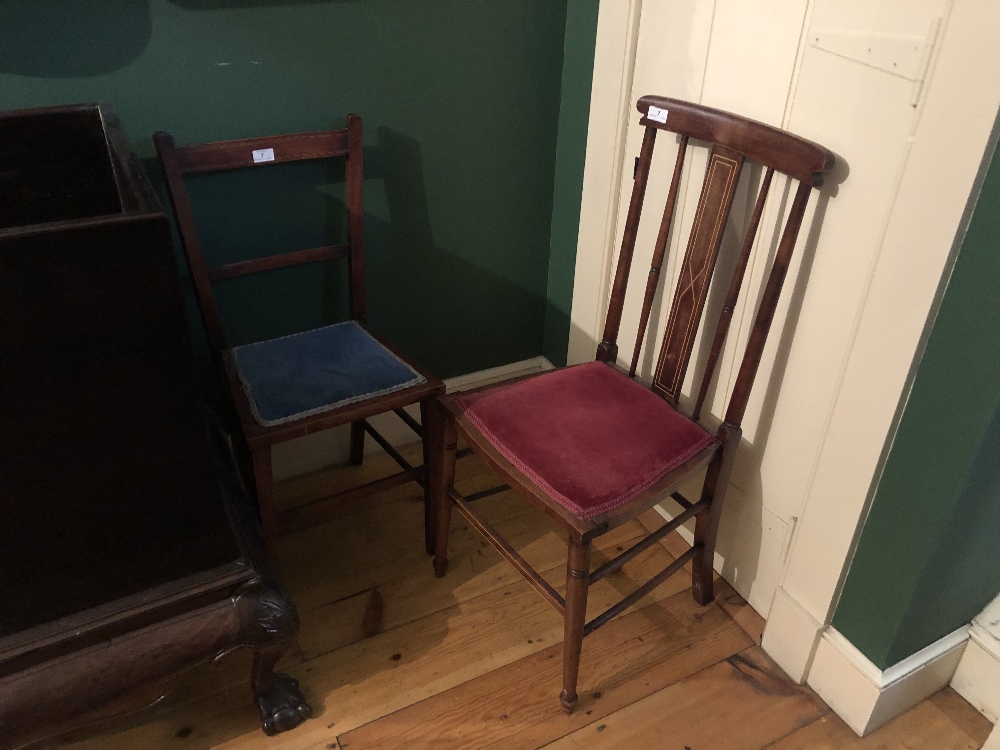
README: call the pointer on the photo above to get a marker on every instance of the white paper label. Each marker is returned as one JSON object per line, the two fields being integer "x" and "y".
{"x": 656, "y": 114}
{"x": 263, "y": 154}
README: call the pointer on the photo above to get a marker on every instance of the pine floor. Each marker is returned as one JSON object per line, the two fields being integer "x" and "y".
{"x": 391, "y": 657}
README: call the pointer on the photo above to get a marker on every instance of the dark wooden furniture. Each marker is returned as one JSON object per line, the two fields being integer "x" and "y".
{"x": 592, "y": 447}
{"x": 125, "y": 556}
{"x": 259, "y": 436}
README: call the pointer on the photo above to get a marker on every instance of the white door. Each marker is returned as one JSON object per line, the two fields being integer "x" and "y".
{"x": 849, "y": 75}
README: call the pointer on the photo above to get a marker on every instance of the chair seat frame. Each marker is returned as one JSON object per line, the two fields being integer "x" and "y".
{"x": 732, "y": 141}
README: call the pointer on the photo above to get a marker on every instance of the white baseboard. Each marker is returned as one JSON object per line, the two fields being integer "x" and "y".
{"x": 791, "y": 635}
{"x": 978, "y": 676}
{"x": 866, "y": 697}
{"x": 331, "y": 447}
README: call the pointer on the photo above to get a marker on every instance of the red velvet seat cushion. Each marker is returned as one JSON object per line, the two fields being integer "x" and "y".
{"x": 589, "y": 436}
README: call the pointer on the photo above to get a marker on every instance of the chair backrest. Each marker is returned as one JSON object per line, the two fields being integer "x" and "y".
{"x": 178, "y": 161}
{"x": 732, "y": 141}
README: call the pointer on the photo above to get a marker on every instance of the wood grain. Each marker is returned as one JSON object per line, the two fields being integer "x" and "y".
{"x": 931, "y": 725}
{"x": 741, "y": 703}
{"x": 445, "y": 649}
{"x": 628, "y": 659}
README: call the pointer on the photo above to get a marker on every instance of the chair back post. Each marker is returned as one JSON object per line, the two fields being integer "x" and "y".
{"x": 732, "y": 140}
{"x": 659, "y": 252}
{"x": 166, "y": 151}
{"x": 356, "y": 217}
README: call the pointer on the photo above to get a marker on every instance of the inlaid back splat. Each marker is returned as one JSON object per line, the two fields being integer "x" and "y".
{"x": 721, "y": 178}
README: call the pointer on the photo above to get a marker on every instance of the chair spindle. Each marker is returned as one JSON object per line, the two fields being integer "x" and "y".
{"x": 658, "y": 252}
{"x": 734, "y": 293}
{"x": 607, "y": 351}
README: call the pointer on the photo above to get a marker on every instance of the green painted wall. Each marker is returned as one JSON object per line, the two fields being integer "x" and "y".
{"x": 927, "y": 559}
{"x": 461, "y": 101}
{"x": 571, "y": 152}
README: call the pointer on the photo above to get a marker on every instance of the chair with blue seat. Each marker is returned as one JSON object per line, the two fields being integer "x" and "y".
{"x": 291, "y": 386}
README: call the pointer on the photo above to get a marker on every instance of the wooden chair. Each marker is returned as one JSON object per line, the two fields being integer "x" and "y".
{"x": 592, "y": 447}
{"x": 295, "y": 385}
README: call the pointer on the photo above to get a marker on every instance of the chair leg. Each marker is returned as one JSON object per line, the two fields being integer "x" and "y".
{"x": 357, "y": 443}
{"x": 442, "y": 438}
{"x": 430, "y": 514}
{"x": 264, "y": 485}
{"x": 577, "y": 587}
{"x": 702, "y": 567}
{"x": 706, "y": 527}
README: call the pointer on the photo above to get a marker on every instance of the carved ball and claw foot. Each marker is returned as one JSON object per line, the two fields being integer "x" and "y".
{"x": 282, "y": 705}
{"x": 270, "y": 626}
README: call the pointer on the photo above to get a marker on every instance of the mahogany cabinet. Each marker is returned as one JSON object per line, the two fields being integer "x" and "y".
{"x": 127, "y": 547}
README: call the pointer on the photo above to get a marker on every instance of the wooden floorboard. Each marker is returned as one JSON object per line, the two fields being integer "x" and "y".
{"x": 517, "y": 706}
{"x": 741, "y": 703}
{"x": 391, "y": 656}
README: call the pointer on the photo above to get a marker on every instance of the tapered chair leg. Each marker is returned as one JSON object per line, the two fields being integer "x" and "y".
{"x": 702, "y": 569}
{"x": 430, "y": 510}
{"x": 264, "y": 486}
{"x": 577, "y": 587}
{"x": 443, "y": 440}
{"x": 706, "y": 527}
{"x": 357, "y": 443}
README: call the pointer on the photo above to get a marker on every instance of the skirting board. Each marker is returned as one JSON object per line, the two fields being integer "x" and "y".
{"x": 791, "y": 635}
{"x": 866, "y": 697}
{"x": 978, "y": 676}
{"x": 331, "y": 447}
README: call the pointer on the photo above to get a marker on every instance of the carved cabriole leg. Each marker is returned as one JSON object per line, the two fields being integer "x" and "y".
{"x": 707, "y": 522}
{"x": 430, "y": 514}
{"x": 264, "y": 486}
{"x": 270, "y": 626}
{"x": 357, "y": 443}
{"x": 577, "y": 586}
{"x": 443, "y": 439}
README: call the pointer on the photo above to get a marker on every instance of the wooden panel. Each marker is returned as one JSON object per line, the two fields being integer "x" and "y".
{"x": 97, "y": 366}
{"x": 210, "y": 157}
{"x": 721, "y": 177}
{"x": 516, "y": 706}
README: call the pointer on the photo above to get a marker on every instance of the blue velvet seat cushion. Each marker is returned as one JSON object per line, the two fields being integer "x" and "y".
{"x": 309, "y": 373}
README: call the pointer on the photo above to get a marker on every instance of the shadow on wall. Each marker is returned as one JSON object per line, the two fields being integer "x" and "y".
{"x": 744, "y": 520}
{"x": 71, "y": 38}
{"x": 446, "y": 308}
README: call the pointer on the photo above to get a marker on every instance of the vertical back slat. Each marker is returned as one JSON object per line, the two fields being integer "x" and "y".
{"x": 659, "y": 250}
{"x": 768, "y": 304}
{"x": 356, "y": 217}
{"x": 607, "y": 350}
{"x": 174, "y": 174}
{"x": 721, "y": 178}
{"x": 733, "y": 294}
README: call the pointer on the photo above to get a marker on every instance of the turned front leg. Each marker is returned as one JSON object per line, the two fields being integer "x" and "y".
{"x": 577, "y": 587}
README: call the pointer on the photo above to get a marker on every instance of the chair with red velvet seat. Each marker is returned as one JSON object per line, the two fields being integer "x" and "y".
{"x": 593, "y": 447}
{"x": 287, "y": 387}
